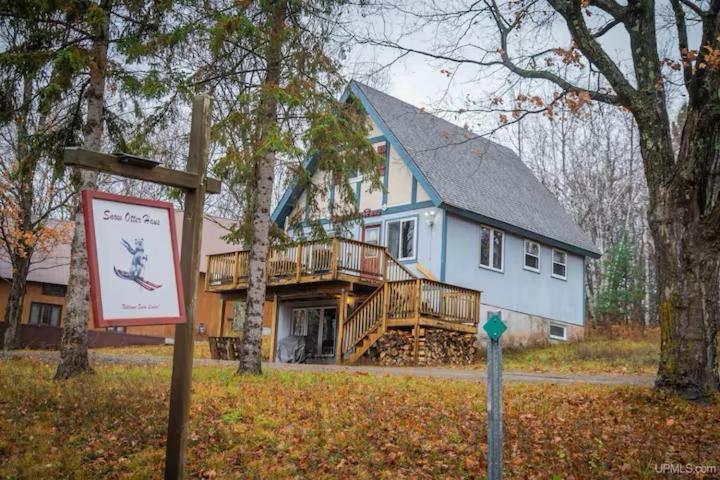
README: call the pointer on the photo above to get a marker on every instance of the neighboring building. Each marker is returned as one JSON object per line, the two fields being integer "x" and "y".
{"x": 44, "y": 301}
{"x": 456, "y": 208}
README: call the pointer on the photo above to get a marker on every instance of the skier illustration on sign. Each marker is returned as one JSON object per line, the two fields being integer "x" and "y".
{"x": 137, "y": 265}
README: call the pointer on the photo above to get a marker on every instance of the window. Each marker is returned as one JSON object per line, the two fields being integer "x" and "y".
{"x": 491, "y": 248}
{"x": 116, "y": 329}
{"x": 532, "y": 256}
{"x": 559, "y": 264}
{"x": 299, "y": 322}
{"x": 53, "y": 290}
{"x": 45, "y": 314}
{"x": 401, "y": 239}
{"x": 558, "y": 332}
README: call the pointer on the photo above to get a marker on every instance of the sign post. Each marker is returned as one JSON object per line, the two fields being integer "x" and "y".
{"x": 189, "y": 265}
{"x": 494, "y": 327}
{"x": 194, "y": 182}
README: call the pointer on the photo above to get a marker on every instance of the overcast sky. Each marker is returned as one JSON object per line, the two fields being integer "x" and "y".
{"x": 420, "y": 81}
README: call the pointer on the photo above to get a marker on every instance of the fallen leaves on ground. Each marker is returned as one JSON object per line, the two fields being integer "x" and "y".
{"x": 309, "y": 425}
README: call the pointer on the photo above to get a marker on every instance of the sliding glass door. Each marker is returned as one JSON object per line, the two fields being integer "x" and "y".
{"x": 318, "y": 325}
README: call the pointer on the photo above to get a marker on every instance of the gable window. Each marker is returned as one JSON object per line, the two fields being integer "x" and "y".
{"x": 45, "y": 314}
{"x": 401, "y": 238}
{"x": 491, "y": 248}
{"x": 559, "y": 264}
{"x": 558, "y": 332}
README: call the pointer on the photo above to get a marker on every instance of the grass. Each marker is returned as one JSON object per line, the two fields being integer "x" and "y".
{"x": 201, "y": 349}
{"x": 617, "y": 351}
{"x": 300, "y": 425}
{"x": 626, "y": 351}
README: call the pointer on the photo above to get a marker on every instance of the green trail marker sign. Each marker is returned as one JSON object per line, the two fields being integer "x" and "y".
{"x": 494, "y": 327}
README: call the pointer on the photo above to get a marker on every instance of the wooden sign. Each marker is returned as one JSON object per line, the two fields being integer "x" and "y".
{"x": 133, "y": 261}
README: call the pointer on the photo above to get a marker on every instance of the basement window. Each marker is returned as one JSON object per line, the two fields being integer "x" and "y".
{"x": 558, "y": 332}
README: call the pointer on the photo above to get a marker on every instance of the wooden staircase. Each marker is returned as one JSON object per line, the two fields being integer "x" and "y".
{"x": 409, "y": 302}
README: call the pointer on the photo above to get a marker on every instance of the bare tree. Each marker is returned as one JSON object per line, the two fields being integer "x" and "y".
{"x": 683, "y": 188}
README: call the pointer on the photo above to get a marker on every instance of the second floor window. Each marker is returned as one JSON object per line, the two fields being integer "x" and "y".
{"x": 532, "y": 256}
{"x": 401, "y": 238}
{"x": 559, "y": 264}
{"x": 491, "y": 248}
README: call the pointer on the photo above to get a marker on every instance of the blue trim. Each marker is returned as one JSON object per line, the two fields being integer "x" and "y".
{"x": 386, "y": 174}
{"x": 292, "y": 193}
{"x": 413, "y": 194}
{"x": 357, "y": 194}
{"x": 407, "y": 208}
{"x": 417, "y": 173}
{"x": 307, "y": 206}
{"x": 443, "y": 245}
{"x": 377, "y": 139}
{"x": 584, "y": 291}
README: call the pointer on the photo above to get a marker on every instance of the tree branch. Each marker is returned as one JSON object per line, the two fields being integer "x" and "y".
{"x": 572, "y": 13}
{"x": 540, "y": 74}
{"x": 682, "y": 40}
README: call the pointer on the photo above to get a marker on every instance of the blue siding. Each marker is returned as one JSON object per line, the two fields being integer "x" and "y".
{"x": 516, "y": 288}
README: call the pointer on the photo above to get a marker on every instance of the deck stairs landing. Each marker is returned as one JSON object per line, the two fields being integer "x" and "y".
{"x": 409, "y": 303}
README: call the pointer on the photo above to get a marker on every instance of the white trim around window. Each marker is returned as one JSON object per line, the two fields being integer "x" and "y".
{"x": 559, "y": 264}
{"x": 490, "y": 240}
{"x": 531, "y": 256}
{"x": 406, "y": 248}
{"x": 556, "y": 335}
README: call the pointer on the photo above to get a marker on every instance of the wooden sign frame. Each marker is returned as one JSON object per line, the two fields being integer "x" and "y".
{"x": 95, "y": 286}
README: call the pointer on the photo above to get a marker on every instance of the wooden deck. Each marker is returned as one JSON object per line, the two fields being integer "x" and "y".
{"x": 338, "y": 259}
{"x": 391, "y": 296}
{"x": 411, "y": 303}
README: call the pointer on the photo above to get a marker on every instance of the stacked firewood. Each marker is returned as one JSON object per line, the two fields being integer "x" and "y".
{"x": 450, "y": 348}
{"x": 435, "y": 347}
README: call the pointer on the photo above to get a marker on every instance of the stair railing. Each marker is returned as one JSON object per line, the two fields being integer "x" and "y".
{"x": 366, "y": 318}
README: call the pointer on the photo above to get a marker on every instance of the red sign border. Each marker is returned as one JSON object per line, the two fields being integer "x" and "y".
{"x": 98, "y": 319}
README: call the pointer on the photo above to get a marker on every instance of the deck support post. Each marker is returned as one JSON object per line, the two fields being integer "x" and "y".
{"x": 335, "y": 257}
{"x": 416, "y": 330}
{"x": 222, "y": 316}
{"x": 236, "y": 269}
{"x": 416, "y": 343}
{"x": 342, "y": 314}
{"x": 298, "y": 262}
{"x": 274, "y": 328}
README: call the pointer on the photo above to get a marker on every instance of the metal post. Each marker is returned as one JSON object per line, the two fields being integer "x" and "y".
{"x": 494, "y": 328}
{"x": 190, "y": 265}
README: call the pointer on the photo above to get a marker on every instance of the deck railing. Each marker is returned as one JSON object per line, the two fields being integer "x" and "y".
{"x": 339, "y": 255}
{"x": 409, "y": 300}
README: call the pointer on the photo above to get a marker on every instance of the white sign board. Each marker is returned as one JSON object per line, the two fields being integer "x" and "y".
{"x": 133, "y": 260}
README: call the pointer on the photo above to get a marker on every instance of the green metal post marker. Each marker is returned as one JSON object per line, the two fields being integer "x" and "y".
{"x": 494, "y": 327}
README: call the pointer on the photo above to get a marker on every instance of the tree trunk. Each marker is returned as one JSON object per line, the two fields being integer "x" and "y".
{"x": 74, "y": 344}
{"x": 14, "y": 308}
{"x": 685, "y": 221}
{"x": 252, "y": 328}
{"x": 21, "y": 251}
{"x": 262, "y": 198}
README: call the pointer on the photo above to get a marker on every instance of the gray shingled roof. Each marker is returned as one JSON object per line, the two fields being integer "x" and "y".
{"x": 477, "y": 176}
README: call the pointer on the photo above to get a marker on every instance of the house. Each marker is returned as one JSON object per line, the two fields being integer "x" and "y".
{"x": 44, "y": 301}
{"x": 461, "y": 227}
